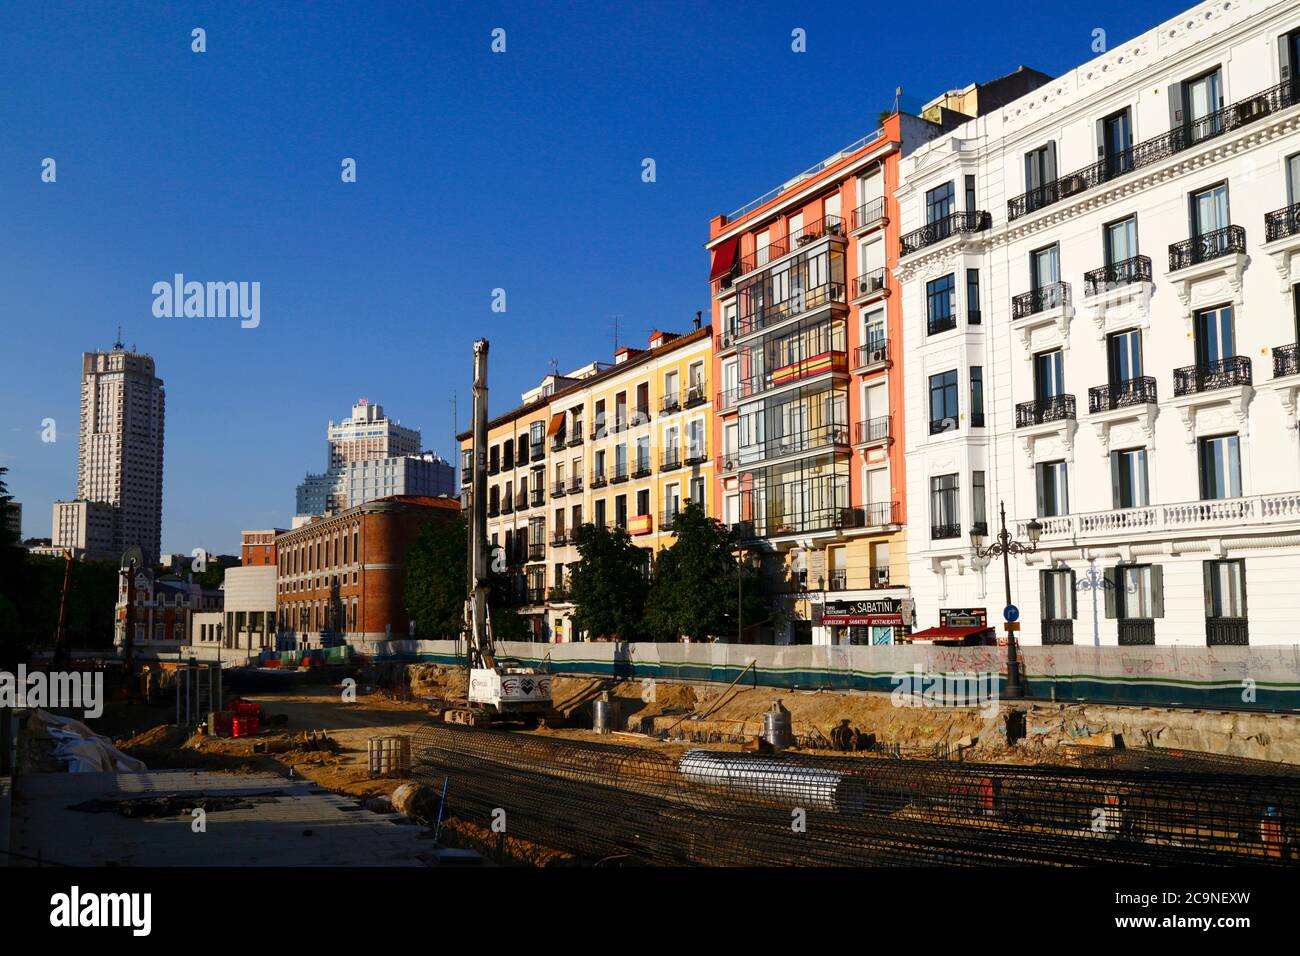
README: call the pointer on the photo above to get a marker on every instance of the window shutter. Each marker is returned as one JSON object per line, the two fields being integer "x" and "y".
{"x": 1074, "y": 597}
{"x": 1157, "y": 591}
{"x": 1175, "y": 105}
{"x": 1245, "y": 608}
{"x": 1285, "y": 66}
{"x": 1111, "y": 577}
{"x": 1207, "y": 583}
{"x": 1052, "y": 172}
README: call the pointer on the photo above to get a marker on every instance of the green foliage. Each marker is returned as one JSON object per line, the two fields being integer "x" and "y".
{"x": 436, "y": 574}
{"x": 437, "y": 582}
{"x": 608, "y": 584}
{"x": 695, "y": 588}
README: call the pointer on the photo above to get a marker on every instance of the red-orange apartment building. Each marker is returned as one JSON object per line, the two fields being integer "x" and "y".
{"x": 808, "y": 414}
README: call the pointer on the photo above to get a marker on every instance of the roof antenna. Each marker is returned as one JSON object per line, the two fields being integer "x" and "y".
{"x": 616, "y": 316}
{"x": 117, "y": 346}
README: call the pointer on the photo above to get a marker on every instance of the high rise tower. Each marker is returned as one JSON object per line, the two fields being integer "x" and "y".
{"x": 120, "y": 456}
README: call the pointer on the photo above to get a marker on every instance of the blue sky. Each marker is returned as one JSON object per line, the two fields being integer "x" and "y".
{"x": 475, "y": 171}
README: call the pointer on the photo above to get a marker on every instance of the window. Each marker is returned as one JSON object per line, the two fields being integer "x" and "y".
{"x": 1124, "y": 357}
{"x": 1120, "y": 240}
{"x": 643, "y": 502}
{"x": 1135, "y": 596}
{"x": 1128, "y": 478}
{"x": 977, "y": 396}
{"x": 939, "y": 205}
{"x": 1220, "y": 467}
{"x": 1040, "y": 169}
{"x": 970, "y": 192}
{"x": 939, "y": 304}
{"x": 943, "y": 402}
{"x": 1215, "y": 338}
{"x": 1049, "y": 375}
{"x": 1225, "y": 602}
{"x": 1116, "y": 143}
{"x": 1045, "y": 269}
{"x": 1058, "y": 594}
{"x": 1202, "y": 98}
{"x": 945, "y": 516}
{"x": 1053, "y": 489}
{"x": 620, "y": 511}
{"x": 600, "y": 513}
{"x": 979, "y": 503}
{"x": 973, "y": 296}
{"x": 697, "y": 490}
{"x": 1209, "y": 214}
{"x": 873, "y": 333}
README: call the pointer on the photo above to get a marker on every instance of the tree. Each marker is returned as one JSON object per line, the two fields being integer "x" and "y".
{"x": 608, "y": 583}
{"x": 437, "y": 583}
{"x": 695, "y": 589}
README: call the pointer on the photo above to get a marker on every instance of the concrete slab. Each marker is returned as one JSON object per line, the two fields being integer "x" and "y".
{"x": 291, "y": 823}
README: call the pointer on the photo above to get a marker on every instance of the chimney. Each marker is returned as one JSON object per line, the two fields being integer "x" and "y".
{"x": 698, "y": 316}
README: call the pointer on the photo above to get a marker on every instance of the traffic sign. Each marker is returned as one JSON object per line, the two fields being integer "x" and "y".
{"x": 1010, "y": 613}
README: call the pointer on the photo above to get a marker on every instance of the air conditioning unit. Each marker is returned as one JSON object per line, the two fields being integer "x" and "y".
{"x": 877, "y": 355}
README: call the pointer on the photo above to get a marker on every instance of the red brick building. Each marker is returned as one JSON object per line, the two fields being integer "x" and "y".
{"x": 341, "y": 576}
{"x": 257, "y": 548}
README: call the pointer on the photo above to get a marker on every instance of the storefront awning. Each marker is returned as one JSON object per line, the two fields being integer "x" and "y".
{"x": 952, "y": 635}
{"x": 724, "y": 258}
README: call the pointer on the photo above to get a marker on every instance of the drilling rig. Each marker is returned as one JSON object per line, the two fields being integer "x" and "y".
{"x": 499, "y": 689}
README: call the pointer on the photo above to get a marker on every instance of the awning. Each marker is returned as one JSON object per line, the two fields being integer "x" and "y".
{"x": 557, "y": 424}
{"x": 724, "y": 258}
{"x": 959, "y": 635}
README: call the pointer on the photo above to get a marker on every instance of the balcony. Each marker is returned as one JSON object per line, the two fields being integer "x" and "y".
{"x": 871, "y": 213}
{"x": 696, "y": 455}
{"x": 507, "y": 506}
{"x": 537, "y": 497}
{"x": 670, "y": 403}
{"x": 1189, "y": 519}
{"x": 1117, "y": 275}
{"x": 873, "y": 356}
{"x": 1058, "y": 632}
{"x": 557, "y": 441}
{"x": 1135, "y": 631}
{"x": 880, "y": 514}
{"x": 670, "y": 460}
{"x": 1054, "y": 408}
{"x": 598, "y": 479}
{"x": 727, "y": 462}
{"x": 642, "y": 468}
{"x": 1282, "y": 223}
{"x": 493, "y": 509}
{"x": 1207, "y": 247}
{"x": 727, "y": 398}
{"x": 936, "y": 324}
{"x": 813, "y": 232}
{"x": 1227, "y": 632}
{"x": 696, "y": 395}
{"x": 794, "y": 443}
{"x": 1134, "y": 391}
{"x": 557, "y": 490}
{"x": 536, "y": 550}
{"x": 619, "y": 475}
{"x": 871, "y": 284}
{"x": 494, "y": 467}
{"x": 944, "y": 532}
{"x": 838, "y": 580}
{"x": 873, "y": 431}
{"x": 833, "y": 361}
{"x": 1047, "y": 298}
{"x": 809, "y": 521}
{"x": 1225, "y": 373}
{"x": 1153, "y": 150}
{"x": 575, "y": 485}
{"x": 956, "y": 224}
{"x": 766, "y": 316}
{"x": 537, "y": 452}
{"x": 576, "y": 438}
{"x": 668, "y": 518}
{"x": 1286, "y": 361}
{"x": 534, "y": 596}
{"x": 560, "y": 538}
{"x": 558, "y": 595}
{"x": 521, "y": 501}
{"x": 597, "y": 433}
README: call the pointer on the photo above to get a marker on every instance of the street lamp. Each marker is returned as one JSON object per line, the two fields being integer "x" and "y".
{"x": 1006, "y": 546}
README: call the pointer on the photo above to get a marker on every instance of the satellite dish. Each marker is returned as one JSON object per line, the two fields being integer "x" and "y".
{"x": 132, "y": 555}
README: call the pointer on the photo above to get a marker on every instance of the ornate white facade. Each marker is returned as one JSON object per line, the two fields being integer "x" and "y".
{"x": 1121, "y": 244}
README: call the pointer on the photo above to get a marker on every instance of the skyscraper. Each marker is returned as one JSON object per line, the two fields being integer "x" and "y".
{"x": 120, "y": 456}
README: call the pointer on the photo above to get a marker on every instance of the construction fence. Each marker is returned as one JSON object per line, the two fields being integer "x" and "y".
{"x": 1241, "y": 678}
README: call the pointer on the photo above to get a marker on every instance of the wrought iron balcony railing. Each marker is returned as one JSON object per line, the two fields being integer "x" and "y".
{"x": 873, "y": 430}
{"x": 598, "y": 479}
{"x": 941, "y": 323}
{"x": 575, "y": 485}
{"x": 1054, "y": 408}
{"x": 868, "y": 214}
{"x": 793, "y": 443}
{"x": 1124, "y": 272}
{"x": 560, "y": 538}
{"x": 668, "y": 518}
{"x": 641, "y": 469}
{"x": 671, "y": 459}
{"x": 875, "y": 352}
{"x": 576, "y": 438}
{"x": 1153, "y": 150}
{"x": 507, "y": 505}
{"x": 536, "y": 550}
{"x": 1207, "y": 246}
{"x": 537, "y": 496}
{"x": 557, "y": 490}
{"x": 955, "y": 224}
{"x": 944, "y": 532}
{"x": 619, "y": 474}
{"x": 1227, "y": 631}
{"x": 1285, "y": 360}
{"x": 871, "y": 283}
{"x": 1281, "y": 223}
{"x": 1224, "y": 373}
{"x": 878, "y": 514}
{"x": 826, "y": 226}
{"x": 1051, "y": 296}
{"x": 1133, "y": 391}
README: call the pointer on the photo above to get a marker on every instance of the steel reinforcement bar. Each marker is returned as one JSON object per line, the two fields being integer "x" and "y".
{"x": 650, "y": 805}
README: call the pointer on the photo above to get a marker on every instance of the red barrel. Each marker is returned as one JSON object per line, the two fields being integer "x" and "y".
{"x": 252, "y": 724}
{"x": 239, "y": 727}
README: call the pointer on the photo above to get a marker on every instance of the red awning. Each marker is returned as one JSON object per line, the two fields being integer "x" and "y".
{"x": 557, "y": 422}
{"x": 959, "y": 635}
{"x": 724, "y": 258}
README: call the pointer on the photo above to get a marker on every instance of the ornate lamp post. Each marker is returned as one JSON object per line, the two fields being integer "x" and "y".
{"x": 1006, "y": 546}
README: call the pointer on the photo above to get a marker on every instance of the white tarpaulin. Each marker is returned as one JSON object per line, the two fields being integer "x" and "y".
{"x": 80, "y": 749}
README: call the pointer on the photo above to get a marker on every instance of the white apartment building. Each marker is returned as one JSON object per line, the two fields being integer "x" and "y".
{"x": 1100, "y": 316}
{"x": 85, "y": 527}
{"x": 120, "y": 455}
